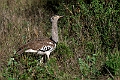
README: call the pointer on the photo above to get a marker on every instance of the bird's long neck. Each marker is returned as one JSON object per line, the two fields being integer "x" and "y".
{"x": 54, "y": 31}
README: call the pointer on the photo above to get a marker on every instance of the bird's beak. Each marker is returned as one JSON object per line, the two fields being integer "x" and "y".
{"x": 60, "y": 16}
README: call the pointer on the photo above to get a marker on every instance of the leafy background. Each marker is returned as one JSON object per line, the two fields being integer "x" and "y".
{"x": 89, "y": 39}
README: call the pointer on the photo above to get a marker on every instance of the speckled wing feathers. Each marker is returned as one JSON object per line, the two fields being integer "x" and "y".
{"x": 39, "y": 45}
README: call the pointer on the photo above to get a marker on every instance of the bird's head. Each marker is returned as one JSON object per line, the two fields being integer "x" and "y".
{"x": 55, "y": 18}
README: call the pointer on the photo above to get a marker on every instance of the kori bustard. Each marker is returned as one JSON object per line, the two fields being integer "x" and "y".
{"x": 43, "y": 46}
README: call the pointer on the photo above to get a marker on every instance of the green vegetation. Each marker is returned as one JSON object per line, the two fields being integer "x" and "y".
{"x": 89, "y": 39}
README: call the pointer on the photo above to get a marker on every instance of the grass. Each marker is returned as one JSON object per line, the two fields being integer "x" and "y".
{"x": 88, "y": 47}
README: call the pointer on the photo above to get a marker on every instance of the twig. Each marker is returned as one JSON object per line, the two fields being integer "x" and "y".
{"x": 67, "y": 9}
{"x": 109, "y": 73}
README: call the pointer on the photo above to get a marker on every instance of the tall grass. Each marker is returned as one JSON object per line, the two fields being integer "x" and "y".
{"x": 88, "y": 45}
{"x": 17, "y": 27}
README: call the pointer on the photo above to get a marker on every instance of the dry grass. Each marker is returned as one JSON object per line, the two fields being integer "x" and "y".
{"x": 18, "y": 25}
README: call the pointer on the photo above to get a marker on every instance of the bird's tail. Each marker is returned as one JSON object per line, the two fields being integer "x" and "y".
{"x": 22, "y": 49}
{"x": 18, "y": 52}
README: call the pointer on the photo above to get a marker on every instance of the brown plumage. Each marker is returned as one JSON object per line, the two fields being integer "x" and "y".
{"x": 36, "y": 45}
{"x": 43, "y": 46}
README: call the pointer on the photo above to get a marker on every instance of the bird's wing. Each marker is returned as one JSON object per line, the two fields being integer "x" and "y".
{"x": 43, "y": 45}
{"x": 37, "y": 45}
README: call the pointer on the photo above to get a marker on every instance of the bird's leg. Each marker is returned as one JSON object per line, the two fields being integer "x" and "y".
{"x": 48, "y": 55}
{"x": 41, "y": 60}
{"x": 44, "y": 59}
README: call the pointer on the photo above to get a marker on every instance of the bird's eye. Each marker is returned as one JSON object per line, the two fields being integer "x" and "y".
{"x": 52, "y": 18}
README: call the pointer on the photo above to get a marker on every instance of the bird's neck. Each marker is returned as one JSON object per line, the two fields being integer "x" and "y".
{"x": 54, "y": 32}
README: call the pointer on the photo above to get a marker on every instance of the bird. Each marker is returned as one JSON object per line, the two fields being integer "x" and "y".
{"x": 43, "y": 46}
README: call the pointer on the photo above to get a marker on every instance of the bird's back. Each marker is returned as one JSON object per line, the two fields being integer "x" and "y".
{"x": 43, "y": 44}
